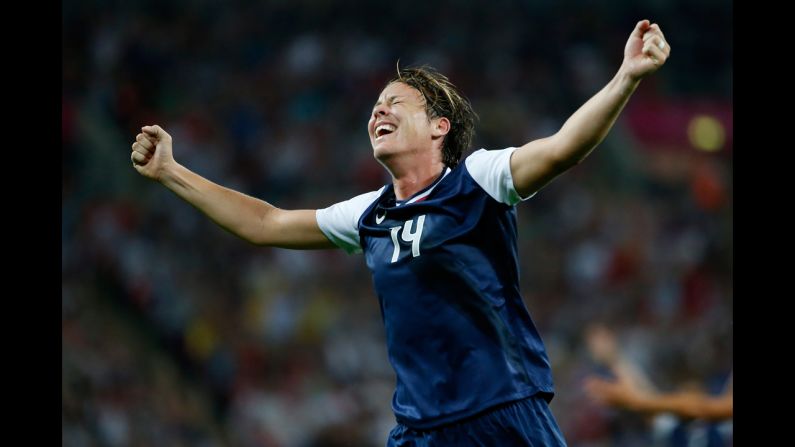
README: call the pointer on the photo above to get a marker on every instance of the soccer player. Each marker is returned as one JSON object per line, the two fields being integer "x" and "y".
{"x": 440, "y": 241}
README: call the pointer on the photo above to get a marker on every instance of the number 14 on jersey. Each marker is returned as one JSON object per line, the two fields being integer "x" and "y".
{"x": 408, "y": 236}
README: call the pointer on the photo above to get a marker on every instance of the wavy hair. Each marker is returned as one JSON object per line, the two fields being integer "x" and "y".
{"x": 442, "y": 99}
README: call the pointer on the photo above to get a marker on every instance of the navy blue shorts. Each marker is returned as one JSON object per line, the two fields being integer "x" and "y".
{"x": 526, "y": 422}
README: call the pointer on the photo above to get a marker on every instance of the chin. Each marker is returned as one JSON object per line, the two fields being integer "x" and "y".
{"x": 383, "y": 151}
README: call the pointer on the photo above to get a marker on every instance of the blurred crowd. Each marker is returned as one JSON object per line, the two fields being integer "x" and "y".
{"x": 177, "y": 333}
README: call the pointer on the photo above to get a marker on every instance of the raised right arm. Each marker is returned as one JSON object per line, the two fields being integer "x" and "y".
{"x": 249, "y": 218}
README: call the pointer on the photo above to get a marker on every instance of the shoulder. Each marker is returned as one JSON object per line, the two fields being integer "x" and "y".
{"x": 350, "y": 209}
{"x": 491, "y": 170}
{"x": 340, "y": 221}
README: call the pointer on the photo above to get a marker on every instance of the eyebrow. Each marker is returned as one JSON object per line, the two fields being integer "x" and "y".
{"x": 388, "y": 99}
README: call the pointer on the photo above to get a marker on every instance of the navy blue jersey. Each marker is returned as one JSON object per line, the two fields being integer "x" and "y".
{"x": 445, "y": 269}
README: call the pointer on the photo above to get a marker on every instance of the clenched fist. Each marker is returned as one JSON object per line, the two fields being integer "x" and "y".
{"x": 151, "y": 153}
{"x": 646, "y": 50}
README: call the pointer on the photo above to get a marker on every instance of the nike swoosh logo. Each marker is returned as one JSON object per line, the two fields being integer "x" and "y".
{"x": 378, "y": 220}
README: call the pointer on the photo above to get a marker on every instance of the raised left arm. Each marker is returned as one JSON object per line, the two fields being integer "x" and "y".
{"x": 538, "y": 162}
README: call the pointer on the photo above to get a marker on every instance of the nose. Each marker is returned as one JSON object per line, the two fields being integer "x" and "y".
{"x": 380, "y": 110}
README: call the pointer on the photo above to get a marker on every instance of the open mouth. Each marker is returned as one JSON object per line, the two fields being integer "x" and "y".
{"x": 384, "y": 129}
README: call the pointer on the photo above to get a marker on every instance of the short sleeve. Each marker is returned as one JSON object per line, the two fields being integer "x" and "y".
{"x": 492, "y": 171}
{"x": 340, "y": 222}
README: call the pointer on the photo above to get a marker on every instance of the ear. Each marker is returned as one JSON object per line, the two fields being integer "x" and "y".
{"x": 441, "y": 127}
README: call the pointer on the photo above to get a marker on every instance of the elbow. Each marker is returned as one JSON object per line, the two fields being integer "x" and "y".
{"x": 561, "y": 163}
{"x": 572, "y": 153}
{"x": 565, "y": 158}
{"x": 263, "y": 233}
{"x": 257, "y": 241}
{"x": 253, "y": 236}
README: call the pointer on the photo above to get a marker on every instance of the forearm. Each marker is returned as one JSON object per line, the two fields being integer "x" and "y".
{"x": 536, "y": 163}
{"x": 686, "y": 404}
{"x": 589, "y": 125}
{"x": 238, "y": 213}
{"x": 244, "y": 216}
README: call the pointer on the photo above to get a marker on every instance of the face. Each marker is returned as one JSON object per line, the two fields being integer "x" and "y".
{"x": 399, "y": 123}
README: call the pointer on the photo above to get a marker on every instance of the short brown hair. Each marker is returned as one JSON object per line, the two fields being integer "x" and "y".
{"x": 442, "y": 99}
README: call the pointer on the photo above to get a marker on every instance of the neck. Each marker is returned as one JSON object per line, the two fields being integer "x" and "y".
{"x": 411, "y": 174}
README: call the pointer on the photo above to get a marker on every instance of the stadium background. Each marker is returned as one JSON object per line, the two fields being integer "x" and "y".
{"x": 176, "y": 333}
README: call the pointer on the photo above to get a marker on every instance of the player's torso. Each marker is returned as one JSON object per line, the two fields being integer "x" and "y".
{"x": 446, "y": 274}
{"x": 456, "y": 226}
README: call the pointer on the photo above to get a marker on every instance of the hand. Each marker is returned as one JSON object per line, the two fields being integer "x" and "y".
{"x": 151, "y": 153}
{"x": 646, "y": 50}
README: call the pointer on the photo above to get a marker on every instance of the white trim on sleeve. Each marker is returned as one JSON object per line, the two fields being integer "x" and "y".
{"x": 340, "y": 222}
{"x": 492, "y": 171}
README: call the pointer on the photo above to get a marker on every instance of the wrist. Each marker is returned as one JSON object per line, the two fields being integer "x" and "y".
{"x": 169, "y": 173}
{"x": 626, "y": 80}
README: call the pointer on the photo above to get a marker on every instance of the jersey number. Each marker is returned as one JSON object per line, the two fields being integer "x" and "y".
{"x": 408, "y": 236}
